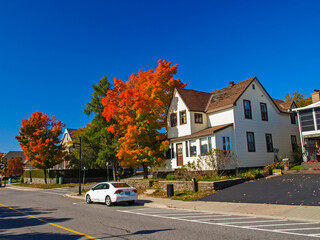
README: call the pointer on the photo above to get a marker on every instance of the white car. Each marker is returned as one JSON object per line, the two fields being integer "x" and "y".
{"x": 112, "y": 192}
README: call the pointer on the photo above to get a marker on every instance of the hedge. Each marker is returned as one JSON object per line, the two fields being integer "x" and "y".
{"x": 72, "y": 173}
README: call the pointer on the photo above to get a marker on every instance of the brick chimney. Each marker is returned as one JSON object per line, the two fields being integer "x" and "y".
{"x": 231, "y": 83}
{"x": 315, "y": 96}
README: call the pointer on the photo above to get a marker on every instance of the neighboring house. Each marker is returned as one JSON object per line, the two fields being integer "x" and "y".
{"x": 67, "y": 140}
{"x": 309, "y": 126}
{"x": 242, "y": 118}
{"x": 13, "y": 154}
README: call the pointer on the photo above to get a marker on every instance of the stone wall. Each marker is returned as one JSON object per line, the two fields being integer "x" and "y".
{"x": 185, "y": 185}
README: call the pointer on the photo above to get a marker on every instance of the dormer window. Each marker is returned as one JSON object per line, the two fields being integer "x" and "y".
{"x": 173, "y": 119}
{"x": 198, "y": 118}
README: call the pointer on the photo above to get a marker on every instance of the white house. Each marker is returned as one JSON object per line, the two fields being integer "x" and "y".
{"x": 242, "y": 118}
{"x": 309, "y": 126}
{"x": 67, "y": 140}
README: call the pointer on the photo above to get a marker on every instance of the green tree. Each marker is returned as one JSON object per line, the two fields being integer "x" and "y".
{"x": 98, "y": 145}
{"x": 298, "y": 98}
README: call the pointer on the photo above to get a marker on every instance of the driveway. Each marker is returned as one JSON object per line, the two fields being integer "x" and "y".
{"x": 289, "y": 189}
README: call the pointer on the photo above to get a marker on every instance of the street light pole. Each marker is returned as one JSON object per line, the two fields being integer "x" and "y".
{"x": 80, "y": 168}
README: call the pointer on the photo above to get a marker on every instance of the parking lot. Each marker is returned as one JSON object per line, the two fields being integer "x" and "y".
{"x": 289, "y": 189}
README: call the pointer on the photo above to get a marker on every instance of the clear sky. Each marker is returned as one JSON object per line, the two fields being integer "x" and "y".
{"x": 51, "y": 52}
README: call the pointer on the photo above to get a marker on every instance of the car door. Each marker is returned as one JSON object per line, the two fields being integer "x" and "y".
{"x": 95, "y": 193}
{"x": 104, "y": 192}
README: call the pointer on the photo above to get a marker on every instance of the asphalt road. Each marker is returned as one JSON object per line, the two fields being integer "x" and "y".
{"x": 290, "y": 189}
{"x": 46, "y": 214}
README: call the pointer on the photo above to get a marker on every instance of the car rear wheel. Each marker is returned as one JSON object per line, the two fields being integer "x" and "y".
{"x": 88, "y": 199}
{"x": 108, "y": 201}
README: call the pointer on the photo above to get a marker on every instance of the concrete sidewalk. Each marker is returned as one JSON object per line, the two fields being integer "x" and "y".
{"x": 301, "y": 213}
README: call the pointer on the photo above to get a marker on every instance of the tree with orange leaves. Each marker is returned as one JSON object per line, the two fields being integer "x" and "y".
{"x": 39, "y": 140}
{"x": 15, "y": 167}
{"x": 139, "y": 108}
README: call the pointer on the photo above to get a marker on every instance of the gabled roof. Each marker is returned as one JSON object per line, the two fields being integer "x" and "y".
{"x": 195, "y": 100}
{"x": 283, "y": 105}
{"x": 227, "y": 96}
{"x": 202, "y": 133}
{"x": 71, "y": 132}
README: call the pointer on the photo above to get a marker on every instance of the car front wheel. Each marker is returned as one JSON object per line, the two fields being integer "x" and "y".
{"x": 108, "y": 201}
{"x": 88, "y": 199}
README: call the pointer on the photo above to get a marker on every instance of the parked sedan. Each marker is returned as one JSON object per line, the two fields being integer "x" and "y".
{"x": 112, "y": 192}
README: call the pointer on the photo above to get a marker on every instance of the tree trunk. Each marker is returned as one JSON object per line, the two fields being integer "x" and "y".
{"x": 145, "y": 171}
{"x": 45, "y": 175}
{"x": 114, "y": 170}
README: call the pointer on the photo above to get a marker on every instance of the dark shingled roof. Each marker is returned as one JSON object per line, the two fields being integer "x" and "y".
{"x": 205, "y": 132}
{"x": 224, "y": 98}
{"x": 227, "y": 96}
{"x": 283, "y": 105}
{"x": 195, "y": 100}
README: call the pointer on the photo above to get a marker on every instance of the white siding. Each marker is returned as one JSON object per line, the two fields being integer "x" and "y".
{"x": 278, "y": 124}
{"x": 176, "y": 106}
{"x": 196, "y": 127}
{"x": 221, "y": 117}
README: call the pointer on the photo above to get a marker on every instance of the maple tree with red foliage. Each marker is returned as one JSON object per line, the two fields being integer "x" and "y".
{"x": 15, "y": 167}
{"x": 139, "y": 109}
{"x": 39, "y": 140}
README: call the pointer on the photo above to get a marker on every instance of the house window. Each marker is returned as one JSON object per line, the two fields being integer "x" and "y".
{"x": 183, "y": 117}
{"x": 317, "y": 111}
{"x": 269, "y": 142}
{"x": 173, "y": 119}
{"x": 293, "y": 118}
{"x": 253, "y": 87}
{"x": 306, "y": 119}
{"x": 172, "y": 150}
{"x": 187, "y": 152}
{"x": 210, "y": 143}
{"x": 168, "y": 154}
{"x": 198, "y": 118}
{"x": 193, "y": 148}
{"x": 247, "y": 109}
{"x": 250, "y": 141}
{"x": 264, "y": 112}
{"x": 226, "y": 143}
{"x": 293, "y": 142}
{"x": 204, "y": 145}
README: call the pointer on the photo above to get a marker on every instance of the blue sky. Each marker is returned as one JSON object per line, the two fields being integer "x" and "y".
{"x": 51, "y": 52}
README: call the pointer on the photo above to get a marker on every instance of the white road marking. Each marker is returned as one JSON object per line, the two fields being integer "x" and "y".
{"x": 225, "y": 224}
{"x": 283, "y": 224}
{"x": 218, "y": 219}
{"x": 296, "y": 229}
{"x": 258, "y": 221}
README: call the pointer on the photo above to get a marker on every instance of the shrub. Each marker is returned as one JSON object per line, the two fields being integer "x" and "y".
{"x": 171, "y": 176}
{"x": 276, "y": 165}
{"x": 252, "y": 174}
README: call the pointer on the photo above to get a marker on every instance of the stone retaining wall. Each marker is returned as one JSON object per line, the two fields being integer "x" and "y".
{"x": 185, "y": 185}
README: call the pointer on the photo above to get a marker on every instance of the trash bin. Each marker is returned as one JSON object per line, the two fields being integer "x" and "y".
{"x": 170, "y": 191}
{"x": 60, "y": 180}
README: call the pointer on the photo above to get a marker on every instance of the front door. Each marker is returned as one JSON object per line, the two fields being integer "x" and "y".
{"x": 179, "y": 154}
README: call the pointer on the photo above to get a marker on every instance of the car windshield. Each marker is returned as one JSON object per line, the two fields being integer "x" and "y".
{"x": 120, "y": 185}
